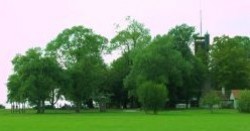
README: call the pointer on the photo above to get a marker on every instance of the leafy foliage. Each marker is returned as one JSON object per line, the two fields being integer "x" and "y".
{"x": 78, "y": 50}
{"x": 153, "y": 96}
{"x": 2, "y": 106}
{"x": 34, "y": 78}
{"x": 130, "y": 41}
{"x": 165, "y": 61}
{"x": 194, "y": 74}
{"x": 244, "y": 101}
{"x": 118, "y": 71}
{"x": 72, "y": 44}
{"x": 150, "y": 71}
{"x": 230, "y": 62}
{"x": 135, "y": 36}
{"x": 210, "y": 99}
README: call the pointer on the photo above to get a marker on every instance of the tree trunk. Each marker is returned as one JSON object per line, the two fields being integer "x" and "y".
{"x": 23, "y": 107}
{"x": 16, "y": 107}
{"x": 43, "y": 106}
{"x": 78, "y": 107}
{"x": 187, "y": 103}
{"x": 40, "y": 107}
{"x": 102, "y": 106}
{"x": 53, "y": 99}
{"x": 12, "y": 107}
{"x": 133, "y": 103}
{"x": 155, "y": 111}
{"x": 124, "y": 104}
{"x": 38, "y": 110}
{"x": 90, "y": 104}
{"x": 19, "y": 108}
{"x": 211, "y": 108}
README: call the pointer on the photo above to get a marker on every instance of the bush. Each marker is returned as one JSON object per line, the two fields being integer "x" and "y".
{"x": 2, "y": 106}
{"x": 67, "y": 107}
{"x": 49, "y": 107}
{"x": 244, "y": 101}
{"x": 210, "y": 99}
{"x": 152, "y": 96}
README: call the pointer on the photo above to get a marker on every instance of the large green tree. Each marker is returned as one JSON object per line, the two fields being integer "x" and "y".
{"x": 230, "y": 62}
{"x": 79, "y": 50}
{"x": 118, "y": 71}
{"x": 129, "y": 41}
{"x": 35, "y": 76}
{"x": 159, "y": 63}
{"x": 16, "y": 95}
{"x": 195, "y": 74}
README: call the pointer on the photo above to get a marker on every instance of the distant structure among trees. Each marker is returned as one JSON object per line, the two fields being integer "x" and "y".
{"x": 202, "y": 44}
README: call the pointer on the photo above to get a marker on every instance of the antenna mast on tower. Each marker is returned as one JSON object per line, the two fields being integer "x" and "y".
{"x": 201, "y": 17}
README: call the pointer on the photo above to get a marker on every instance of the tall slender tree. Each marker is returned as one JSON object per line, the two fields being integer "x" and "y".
{"x": 130, "y": 41}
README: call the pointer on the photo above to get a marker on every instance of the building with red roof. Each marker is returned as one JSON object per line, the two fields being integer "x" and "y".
{"x": 235, "y": 94}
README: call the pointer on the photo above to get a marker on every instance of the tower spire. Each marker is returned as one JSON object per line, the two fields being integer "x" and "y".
{"x": 201, "y": 17}
{"x": 201, "y": 22}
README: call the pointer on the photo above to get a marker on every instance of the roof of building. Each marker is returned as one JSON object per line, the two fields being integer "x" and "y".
{"x": 236, "y": 93}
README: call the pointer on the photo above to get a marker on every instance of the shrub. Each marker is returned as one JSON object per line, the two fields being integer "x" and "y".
{"x": 49, "y": 107}
{"x": 67, "y": 107}
{"x": 2, "y": 106}
{"x": 102, "y": 101}
{"x": 152, "y": 96}
{"x": 244, "y": 101}
{"x": 210, "y": 99}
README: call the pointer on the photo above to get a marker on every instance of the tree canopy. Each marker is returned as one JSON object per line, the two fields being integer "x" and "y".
{"x": 79, "y": 50}
{"x": 230, "y": 63}
{"x": 35, "y": 77}
{"x": 150, "y": 73}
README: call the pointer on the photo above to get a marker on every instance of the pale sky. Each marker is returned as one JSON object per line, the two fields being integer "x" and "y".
{"x": 31, "y": 23}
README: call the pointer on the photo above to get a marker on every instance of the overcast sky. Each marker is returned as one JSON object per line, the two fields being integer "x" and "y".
{"x": 31, "y": 23}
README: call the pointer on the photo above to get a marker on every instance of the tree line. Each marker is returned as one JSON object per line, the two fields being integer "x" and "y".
{"x": 150, "y": 73}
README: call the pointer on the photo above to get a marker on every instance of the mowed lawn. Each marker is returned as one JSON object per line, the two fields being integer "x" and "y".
{"x": 186, "y": 120}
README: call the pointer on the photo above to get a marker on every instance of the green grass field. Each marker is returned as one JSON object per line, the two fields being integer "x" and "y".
{"x": 189, "y": 120}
